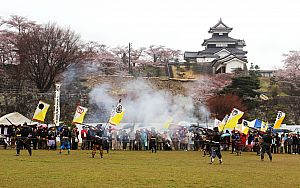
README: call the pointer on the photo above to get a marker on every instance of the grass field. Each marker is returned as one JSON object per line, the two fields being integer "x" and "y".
{"x": 145, "y": 169}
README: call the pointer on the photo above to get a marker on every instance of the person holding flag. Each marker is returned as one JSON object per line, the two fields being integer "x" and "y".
{"x": 23, "y": 135}
{"x": 215, "y": 146}
{"x": 98, "y": 141}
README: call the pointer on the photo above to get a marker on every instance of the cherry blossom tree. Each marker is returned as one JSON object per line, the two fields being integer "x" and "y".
{"x": 289, "y": 77}
{"x": 101, "y": 58}
{"x": 162, "y": 55}
{"x": 207, "y": 85}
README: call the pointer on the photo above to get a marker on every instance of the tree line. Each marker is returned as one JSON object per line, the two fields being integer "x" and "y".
{"x": 41, "y": 52}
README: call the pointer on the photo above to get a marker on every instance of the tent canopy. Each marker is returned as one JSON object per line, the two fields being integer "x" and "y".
{"x": 15, "y": 118}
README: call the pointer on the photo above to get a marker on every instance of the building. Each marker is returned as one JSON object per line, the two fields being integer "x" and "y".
{"x": 266, "y": 73}
{"x": 222, "y": 54}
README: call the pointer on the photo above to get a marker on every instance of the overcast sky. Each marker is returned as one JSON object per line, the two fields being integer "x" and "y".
{"x": 269, "y": 27}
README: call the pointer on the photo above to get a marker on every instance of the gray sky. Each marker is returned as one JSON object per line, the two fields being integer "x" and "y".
{"x": 269, "y": 27}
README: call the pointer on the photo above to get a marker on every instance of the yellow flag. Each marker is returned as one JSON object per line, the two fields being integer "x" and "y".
{"x": 79, "y": 114}
{"x": 238, "y": 127}
{"x": 167, "y": 123}
{"x": 245, "y": 126}
{"x": 117, "y": 115}
{"x": 264, "y": 126}
{"x": 279, "y": 119}
{"x": 40, "y": 112}
{"x": 234, "y": 118}
{"x": 221, "y": 125}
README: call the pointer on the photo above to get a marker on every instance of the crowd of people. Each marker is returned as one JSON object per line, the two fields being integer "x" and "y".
{"x": 184, "y": 138}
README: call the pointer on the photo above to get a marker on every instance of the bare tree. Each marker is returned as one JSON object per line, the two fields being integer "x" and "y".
{"x": 38, "y": 52}
{"x": 46, "y": 51}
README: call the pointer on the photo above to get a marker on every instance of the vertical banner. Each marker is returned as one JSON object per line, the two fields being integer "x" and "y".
{"x": 279, "y": 119}
{"x": 41, "y": 111}
{"x": 221, "y": 126}
{"x": 234, "y": 118}
{"x": 117, "y": 115}
{"x": 79, "y": 114}
{"x": 245, "y": 126}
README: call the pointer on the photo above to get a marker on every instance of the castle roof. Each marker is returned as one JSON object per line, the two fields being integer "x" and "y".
{"x": 211, "y": 52}
{"x": 220, "y": 27}
{"x": 226, "y": 59}
{"x": 220, "y": 39}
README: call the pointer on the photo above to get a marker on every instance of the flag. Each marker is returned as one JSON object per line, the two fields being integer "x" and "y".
{"x": 79, "y": 114}
{"x": 221, "y": 126}
{"x": 245, "y": 126}
{"x": 251, "y": 123}
{"x": 167, "y": 123}
{"x": 280, "y": 117}
{"x": 238, "y": 127}
{"x": 234, "y": 118}
{"x": 264, "y": 126}
{"x": 217, "y": 122}
{"x": 257, "y": 124}
{"x": 40, "y": 112}
{"x": 117, "y": 115}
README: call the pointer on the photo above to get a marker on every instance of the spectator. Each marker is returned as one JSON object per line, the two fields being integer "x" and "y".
{"x": 125, "y": 140}
{"x": 74, "y": 139}
{"x": 83, "y": 134}
{"x": 131, "y": 139}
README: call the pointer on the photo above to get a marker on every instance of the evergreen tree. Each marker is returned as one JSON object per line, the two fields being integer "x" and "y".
{"x": 244, "y": 86}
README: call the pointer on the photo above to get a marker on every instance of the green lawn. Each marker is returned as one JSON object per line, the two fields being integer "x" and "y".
{"x": 145, "y": 169}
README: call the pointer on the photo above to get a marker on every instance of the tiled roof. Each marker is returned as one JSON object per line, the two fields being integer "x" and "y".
{"x": 216, "y": 27}
{"x": 220, "y": 39}
{"x": 225, "y": 59}
{"x": 210, "y": 52}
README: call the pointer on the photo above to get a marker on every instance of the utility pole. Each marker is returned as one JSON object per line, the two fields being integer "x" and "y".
{"x": 129, "y": 59}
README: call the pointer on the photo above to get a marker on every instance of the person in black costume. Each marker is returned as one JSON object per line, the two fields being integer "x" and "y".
{"x": 98, "y": 141}
{"x": 23, "y": 135}
{"x": 215, "y": 146}
{"x": 266, "y": 145}
{"x": 153, "y": 142}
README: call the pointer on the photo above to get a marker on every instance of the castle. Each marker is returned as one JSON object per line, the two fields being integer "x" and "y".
{"x": 222, "y": 54}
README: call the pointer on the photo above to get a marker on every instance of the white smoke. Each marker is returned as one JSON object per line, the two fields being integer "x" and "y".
{"x": 145, "y": 104}
{"x": 104, "y": 101}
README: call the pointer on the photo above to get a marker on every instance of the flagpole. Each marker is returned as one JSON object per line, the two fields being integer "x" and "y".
{"x": 224, "y": 125}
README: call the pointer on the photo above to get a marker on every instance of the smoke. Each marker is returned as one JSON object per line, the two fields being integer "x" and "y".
{"x": 71, "y": 77}
{"x": 68, "y": 77}
{"x": 144, "y": 103}
{"x": 105, "y": 102}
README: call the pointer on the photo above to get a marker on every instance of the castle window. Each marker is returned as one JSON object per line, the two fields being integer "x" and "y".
{"x": 221, "y": 45}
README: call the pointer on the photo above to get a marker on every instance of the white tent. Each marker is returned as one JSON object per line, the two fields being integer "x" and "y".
{"x": 15, "y": 118}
